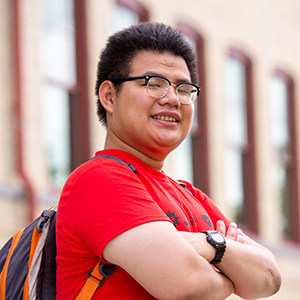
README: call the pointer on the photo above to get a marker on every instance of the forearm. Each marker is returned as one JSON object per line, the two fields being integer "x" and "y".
{"x": 167, "y": 273}
{"x": 204, "y": 282}
{"x": 212, "y": 284}
{"x": 218, "y": 286}
{"x": 252, "y": 269}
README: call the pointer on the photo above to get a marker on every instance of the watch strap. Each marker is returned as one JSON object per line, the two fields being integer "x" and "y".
{"x": 220, "y": 248}
{"x": 219, "y": 255}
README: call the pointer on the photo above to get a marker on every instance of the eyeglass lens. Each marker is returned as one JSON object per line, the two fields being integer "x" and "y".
{"x": 158, "y": 87}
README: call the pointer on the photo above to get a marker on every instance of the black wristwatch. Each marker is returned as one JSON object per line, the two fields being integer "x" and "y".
{"x": 218, "y": 241}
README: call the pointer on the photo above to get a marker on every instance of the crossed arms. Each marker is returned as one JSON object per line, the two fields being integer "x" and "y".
{"x": 251, "y": 267}
{"x": 175, "y": 265}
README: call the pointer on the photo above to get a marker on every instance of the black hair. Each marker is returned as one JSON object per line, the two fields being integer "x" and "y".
{"x": 124, "y": 45}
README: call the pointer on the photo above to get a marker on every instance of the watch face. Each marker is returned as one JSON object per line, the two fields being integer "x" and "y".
{"x": 218, "y": 237}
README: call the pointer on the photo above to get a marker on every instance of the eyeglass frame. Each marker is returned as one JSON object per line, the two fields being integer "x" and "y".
{"x": 148, "y": 77}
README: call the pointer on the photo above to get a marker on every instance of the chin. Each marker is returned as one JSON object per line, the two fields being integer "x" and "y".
{"x": 169, "y": 147}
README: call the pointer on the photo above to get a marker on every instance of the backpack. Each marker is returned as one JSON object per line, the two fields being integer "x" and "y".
{"x": 28, "y": 265}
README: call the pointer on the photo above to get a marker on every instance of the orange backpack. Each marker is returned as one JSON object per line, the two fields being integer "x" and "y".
{"x": 28, "y": 265}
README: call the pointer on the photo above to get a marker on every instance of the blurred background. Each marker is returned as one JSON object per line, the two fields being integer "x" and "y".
{"x": 244, "y": 146}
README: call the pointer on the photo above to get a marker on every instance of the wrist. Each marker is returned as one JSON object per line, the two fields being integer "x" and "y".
{"x": 208, "y": 252}
{"x": 218, "y": 242}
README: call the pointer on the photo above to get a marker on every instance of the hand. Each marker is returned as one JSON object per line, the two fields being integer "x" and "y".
{"x": 233, "y": 232}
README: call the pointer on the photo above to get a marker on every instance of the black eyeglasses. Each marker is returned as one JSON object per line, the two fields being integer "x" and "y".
{"x": 159, "y": 86}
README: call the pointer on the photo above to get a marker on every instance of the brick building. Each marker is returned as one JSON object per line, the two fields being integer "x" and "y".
{"x": 244, "y": 146}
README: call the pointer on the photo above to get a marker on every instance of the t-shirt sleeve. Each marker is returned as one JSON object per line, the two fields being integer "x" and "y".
{"x": 211, "y": 208}
{"x": 105, "y": 201}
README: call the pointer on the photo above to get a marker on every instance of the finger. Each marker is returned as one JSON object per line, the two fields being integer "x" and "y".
{"x": 240, "y": 236}
{"x": 221, "y": 227}
{"x": 232, "y": 231}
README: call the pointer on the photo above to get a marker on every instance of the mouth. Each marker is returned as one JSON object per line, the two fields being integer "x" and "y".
{"x": 165, "y": 118}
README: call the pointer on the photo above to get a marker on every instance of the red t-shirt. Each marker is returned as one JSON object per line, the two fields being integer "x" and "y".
{"x": 103, "y": 198}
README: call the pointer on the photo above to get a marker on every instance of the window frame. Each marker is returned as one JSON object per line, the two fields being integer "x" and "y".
{"x": 248, "y": 151}
{"x": 79, "y": 95}
{"x": 291, "y": 164}
{"x": 135, "y": 7}
{"x": 199, "y": 131}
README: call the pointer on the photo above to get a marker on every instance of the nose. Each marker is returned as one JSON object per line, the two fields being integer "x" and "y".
{"x": 171, "y": 97}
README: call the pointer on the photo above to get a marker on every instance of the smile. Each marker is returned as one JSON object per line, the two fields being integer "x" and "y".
{"x": 165, "y": 118}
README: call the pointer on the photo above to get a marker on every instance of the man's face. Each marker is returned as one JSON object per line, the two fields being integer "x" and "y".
{"x": 138, "y": 120}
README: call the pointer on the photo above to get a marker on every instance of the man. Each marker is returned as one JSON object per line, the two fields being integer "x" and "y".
{"x": 143, "y": 221}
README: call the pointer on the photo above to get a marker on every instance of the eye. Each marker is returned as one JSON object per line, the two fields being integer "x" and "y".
{"x": 185, "y": 89}
{"x": 157, "y": 83}
{"x": 154, "y": 85}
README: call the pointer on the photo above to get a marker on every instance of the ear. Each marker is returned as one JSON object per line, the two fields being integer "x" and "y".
{"x": 107, "y": 95}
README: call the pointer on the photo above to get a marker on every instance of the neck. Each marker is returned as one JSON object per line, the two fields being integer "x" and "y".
{"x": 156, "y": 163}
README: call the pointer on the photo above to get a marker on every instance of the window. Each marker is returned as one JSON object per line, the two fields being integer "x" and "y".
{"x": 59, "y": 71}
{"x": 55, "y": 125}
{"x": 240, "y": 187}
{"x": 127, "y": 13}
{"x": 64, "y": 67}
{"x": 284, "y": 163}
{"x": 192, "y": 155}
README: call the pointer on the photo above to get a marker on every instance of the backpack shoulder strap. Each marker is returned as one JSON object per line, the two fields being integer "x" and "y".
{"x": 91, "y": 284}
{"x": 95, "y": 279}
{"x": 183, "y": 184}
{"x": 130, "y": 166}
{"x": 97, "y": 275}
